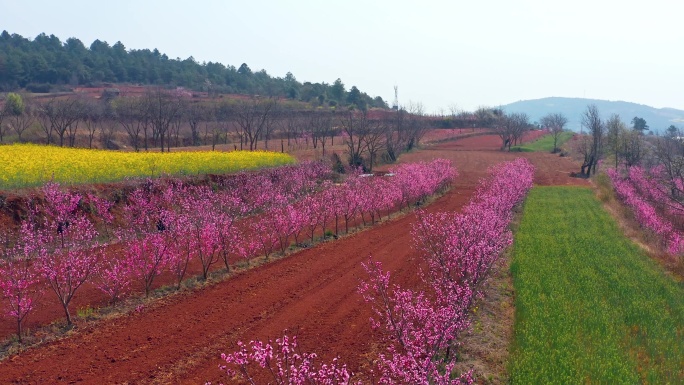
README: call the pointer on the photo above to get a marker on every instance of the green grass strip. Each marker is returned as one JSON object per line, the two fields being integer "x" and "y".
{"x": 591, "y": 307}
{"x": 544, "y": 144}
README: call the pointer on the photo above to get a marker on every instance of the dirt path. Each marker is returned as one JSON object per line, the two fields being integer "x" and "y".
{"x": 312, "y": 293}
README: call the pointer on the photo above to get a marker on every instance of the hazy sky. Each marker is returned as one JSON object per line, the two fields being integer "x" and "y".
{"x": 465, "y": 53}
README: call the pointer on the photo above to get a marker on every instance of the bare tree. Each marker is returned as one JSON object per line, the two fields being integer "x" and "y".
{"x": 396, "y": 136}
{"x": 93, "y": 115}
{"x": 454, "y": 111}
{"x": 486, "y": 116}
{"x": 212, "y": 133}
{"x": 555, "y": 122}
{"x": 290, "y": 124}
{"x": 210, "y": 115}
{"x": 373, "y": 140}
{"x": 592, "y": 146}
{"x": 78, "y": 112}
{"x": 223, "y": 115}
{"x": 253, "y": 118}
{"x": 313, "y": 128}
{"x": 108, "y": 133}
{"x": 144, "y": 113}
{"x": 130, "y": 115}
{"x": 163, "y": 108}
{"x": 45, "y": 121}
{"x": 270, "y": 123}
{"x": 615, "y": 131}
{"x": 416, "y": 125}
{"x": 239, "y": 130}
{"x": 355, "y": 128}
{"x": 177, "y": 125}
{"x": 504, "y": 128}
{"x": 319, "y": 126}
{"x": 62, "y": 114}
{"x": 466, "y": 119}
{"x": 327, "y": 128}
{"x": 633, "y": 147}
{"x": 403, "y": 130}
{"x": 20, "y": 114}
{"x": 20, "y": 123}
{"x": 511, "y": 128}
{"x": 521, "y": 125}
{"x": 196, "y": 113}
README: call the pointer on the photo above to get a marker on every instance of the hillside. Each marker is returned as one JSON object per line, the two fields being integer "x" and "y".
{"x": 658, "y": 119}
{"x": 47, "y": 64}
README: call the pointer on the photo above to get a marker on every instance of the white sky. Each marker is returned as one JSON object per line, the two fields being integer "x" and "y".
{"x": 440, "y": 53}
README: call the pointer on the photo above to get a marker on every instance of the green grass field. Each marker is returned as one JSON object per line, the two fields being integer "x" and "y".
{"x": 591, "y": 307}
{"x": 544, "y": 144}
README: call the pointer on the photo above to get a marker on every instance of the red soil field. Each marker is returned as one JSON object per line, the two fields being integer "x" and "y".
{"x": 47, "y": 308}
{"x": 311, "y": 293}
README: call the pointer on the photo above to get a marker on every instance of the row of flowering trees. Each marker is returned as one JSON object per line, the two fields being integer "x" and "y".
{"x": 60, "y": 246}
{"x": 420, "y": 328}
{"x": 458, "y": 250}
{"x": 167, "y": 226}
{"x": 649, "y": 193}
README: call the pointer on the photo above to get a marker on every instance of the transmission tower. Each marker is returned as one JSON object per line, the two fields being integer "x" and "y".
{"x": 395, "y": 104}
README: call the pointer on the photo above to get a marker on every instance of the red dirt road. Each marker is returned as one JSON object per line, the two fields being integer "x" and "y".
{"x": 313, "y": 293}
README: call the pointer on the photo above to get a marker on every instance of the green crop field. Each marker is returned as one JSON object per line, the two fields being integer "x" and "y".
{"x": 591, "y": 307}
{"x": 544, "y": 144}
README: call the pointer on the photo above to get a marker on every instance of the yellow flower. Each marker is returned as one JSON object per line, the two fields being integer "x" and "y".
{"x": 23, "y": 165}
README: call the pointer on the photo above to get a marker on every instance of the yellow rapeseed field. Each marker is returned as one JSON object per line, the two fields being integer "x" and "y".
{"x": 23, "y": 165}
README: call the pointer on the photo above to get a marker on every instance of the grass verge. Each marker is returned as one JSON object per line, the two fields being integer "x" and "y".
{"x": 544, "y": 144}
{"x": 591, "y": 307}
{"x": 486, "y": 347}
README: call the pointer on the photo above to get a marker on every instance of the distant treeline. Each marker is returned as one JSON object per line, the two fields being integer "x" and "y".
{"x": 46, "y": 64}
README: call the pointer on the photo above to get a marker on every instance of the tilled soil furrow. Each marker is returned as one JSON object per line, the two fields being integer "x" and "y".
{"x": 242, "y": 308}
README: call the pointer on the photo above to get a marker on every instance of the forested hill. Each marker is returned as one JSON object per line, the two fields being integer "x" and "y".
{"x": 658, "y": 119}
{"x": 47, "y": 64}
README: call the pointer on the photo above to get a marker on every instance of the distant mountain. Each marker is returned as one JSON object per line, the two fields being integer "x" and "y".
{"x": 658, "y": 119}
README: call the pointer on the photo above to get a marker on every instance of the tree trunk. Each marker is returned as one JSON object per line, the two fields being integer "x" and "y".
{"x": 19, "y": 331}
{"x": 68, "y": 316}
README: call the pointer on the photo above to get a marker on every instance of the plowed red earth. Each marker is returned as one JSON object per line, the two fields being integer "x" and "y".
{"x": 312, "y": 293}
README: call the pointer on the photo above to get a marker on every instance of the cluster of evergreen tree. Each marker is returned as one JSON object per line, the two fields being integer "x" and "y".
{"x": 46, "y": 63}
